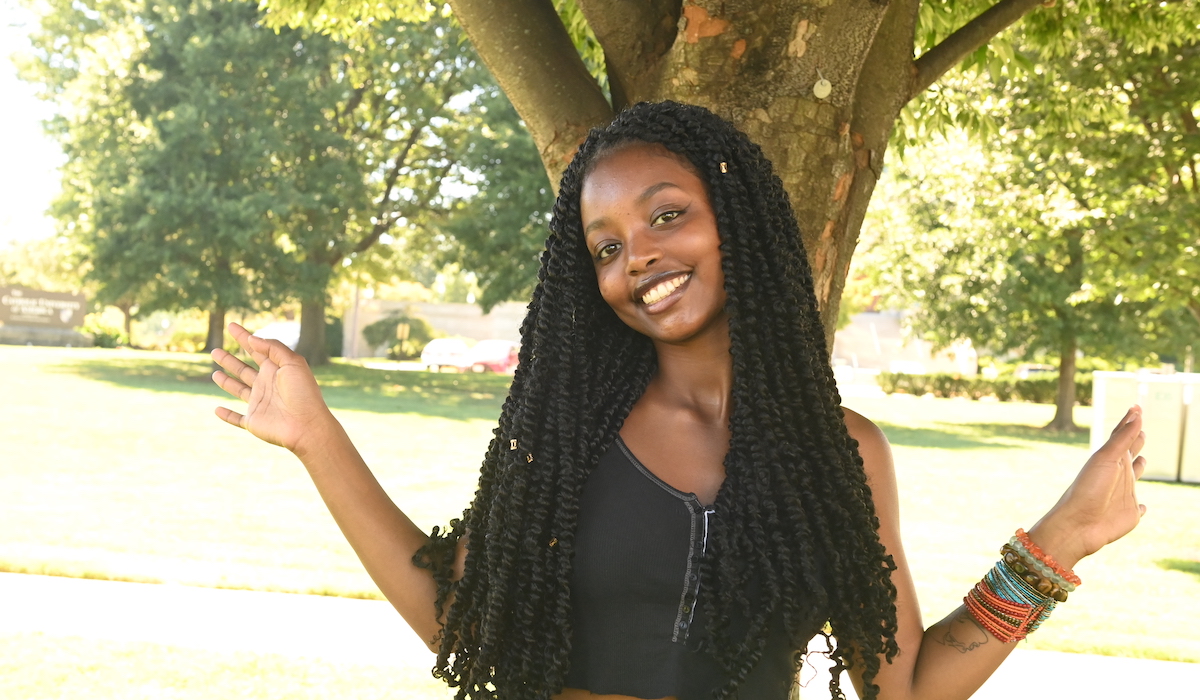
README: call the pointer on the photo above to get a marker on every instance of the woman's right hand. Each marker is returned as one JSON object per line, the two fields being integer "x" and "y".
{"x": 283, "y": 403}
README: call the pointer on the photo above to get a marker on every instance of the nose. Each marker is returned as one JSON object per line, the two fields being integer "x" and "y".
{"x": 641, "y": 252}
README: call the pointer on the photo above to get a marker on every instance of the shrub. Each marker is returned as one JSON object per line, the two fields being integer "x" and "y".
{"x": 333, "y": 337}
{"x": 383, "y": 332}
{"x": 1038, "y": 390}
{"x": 888, "y": 381}
{"x": 103, "y": 335}
{"x": 187, "y": 341}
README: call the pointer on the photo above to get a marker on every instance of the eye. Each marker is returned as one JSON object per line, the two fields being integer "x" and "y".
{"x": 606, "y": 250}
{"x": 666, "y": 217}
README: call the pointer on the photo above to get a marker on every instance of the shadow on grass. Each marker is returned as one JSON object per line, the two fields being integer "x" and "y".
{"x": 968, "y": 436}
{"x": 1184, "y": 565}
{"x": 1021, "y": 432}
{"x": 908, "y": 436}
{"x": 345, "y": 387}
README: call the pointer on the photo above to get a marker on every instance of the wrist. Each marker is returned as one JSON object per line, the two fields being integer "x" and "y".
{"x": 1058, "y": 540}
{"x": 320, "y": 436}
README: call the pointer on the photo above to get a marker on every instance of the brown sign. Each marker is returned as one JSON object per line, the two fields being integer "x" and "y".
{"x": 20, "y": 306}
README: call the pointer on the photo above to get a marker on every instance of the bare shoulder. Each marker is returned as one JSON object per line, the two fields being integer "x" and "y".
{"x": 872, "y": 443}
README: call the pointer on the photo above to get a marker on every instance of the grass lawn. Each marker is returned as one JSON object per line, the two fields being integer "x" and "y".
{"x": 113, "y": 465}
{"x": 67, "y": 668}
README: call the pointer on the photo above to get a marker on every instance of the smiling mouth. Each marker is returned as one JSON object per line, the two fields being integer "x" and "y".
{"x": 664, "y": 289}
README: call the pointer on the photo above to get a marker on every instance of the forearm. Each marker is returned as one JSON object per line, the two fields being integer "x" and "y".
{"x": 958, "y": 654}
{"x": 382, "y": 536}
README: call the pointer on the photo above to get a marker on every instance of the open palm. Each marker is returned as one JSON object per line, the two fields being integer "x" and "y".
{"x": 1101, "y": 505}
{"x": 283, "y": 402}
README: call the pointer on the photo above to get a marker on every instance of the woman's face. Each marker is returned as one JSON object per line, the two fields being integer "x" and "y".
{"x": 653, "y": 239}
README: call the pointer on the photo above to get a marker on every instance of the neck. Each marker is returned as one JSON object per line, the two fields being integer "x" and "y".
{"x": 697, "y": 376}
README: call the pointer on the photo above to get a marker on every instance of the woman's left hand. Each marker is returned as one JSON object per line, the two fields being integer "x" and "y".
{"x": 1101, "y": 505}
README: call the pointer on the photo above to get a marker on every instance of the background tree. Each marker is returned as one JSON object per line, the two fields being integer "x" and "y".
{"x": 232, "y": 105}
{"x": 219, "y": 164}
{"x": 81, "y": 62}
{"x": 1095, "y": 169}
{"x": 42, "y": 263}
{"x": 498, "y": 233}
{"x": 978, "y": 250}
{"x": 759, "y": 64}
{"x": 407, "y": 101}
{"x": 175, "y": 117}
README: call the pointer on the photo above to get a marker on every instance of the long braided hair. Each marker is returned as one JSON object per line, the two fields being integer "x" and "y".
{"x": 797, "y": 525}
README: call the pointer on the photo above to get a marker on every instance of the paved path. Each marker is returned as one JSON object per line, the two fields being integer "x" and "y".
{"x": 368, "y": 631}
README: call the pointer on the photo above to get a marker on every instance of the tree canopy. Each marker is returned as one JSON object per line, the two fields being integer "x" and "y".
{"x": 1072, "y": 225}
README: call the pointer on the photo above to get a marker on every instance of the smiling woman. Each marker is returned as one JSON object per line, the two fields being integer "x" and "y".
{"x": 653, "y": 235}
{"x": 675, "y": 502}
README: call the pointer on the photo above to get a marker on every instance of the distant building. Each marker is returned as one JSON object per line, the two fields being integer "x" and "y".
{"x": 875, "y": 341}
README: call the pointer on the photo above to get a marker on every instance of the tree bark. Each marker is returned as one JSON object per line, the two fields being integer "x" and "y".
{"x": 528, "y": 50}
{"x": 1064, "y": 411}
{"x": 312, "y": 332}
{"x": 216, "y": 329}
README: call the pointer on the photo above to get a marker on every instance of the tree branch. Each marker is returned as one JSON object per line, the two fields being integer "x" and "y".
{"x": 935, "y": 62}
{"x": 635, "y": 34}
{"x": 527, "y": 49}
{"x": 384, "y": 218}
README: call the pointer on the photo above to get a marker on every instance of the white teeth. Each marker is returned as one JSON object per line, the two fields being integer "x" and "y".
{"x": 660, "y": 292}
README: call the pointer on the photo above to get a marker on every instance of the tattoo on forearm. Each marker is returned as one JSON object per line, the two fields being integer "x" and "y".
{"x": 964, "y": 633}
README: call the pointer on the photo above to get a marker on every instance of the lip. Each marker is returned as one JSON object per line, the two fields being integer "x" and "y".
{"x": 655, "y": 280}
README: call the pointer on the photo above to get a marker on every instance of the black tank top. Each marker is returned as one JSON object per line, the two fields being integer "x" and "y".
{"x": 638, "y": 629}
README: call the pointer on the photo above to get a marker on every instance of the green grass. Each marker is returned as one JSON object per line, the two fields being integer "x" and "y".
{"x": 114, "y": 466}
{"x": 970, "y": 473}
{"x": 67, "y": 668}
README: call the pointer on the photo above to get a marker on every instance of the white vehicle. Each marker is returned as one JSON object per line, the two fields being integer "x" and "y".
{"x": 286, "y": 332}
{"x": 446, "y": 352}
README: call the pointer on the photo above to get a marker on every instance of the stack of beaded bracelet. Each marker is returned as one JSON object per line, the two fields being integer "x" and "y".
{"x": 1021, "y": 591}
{"x": 1043, "y": 563}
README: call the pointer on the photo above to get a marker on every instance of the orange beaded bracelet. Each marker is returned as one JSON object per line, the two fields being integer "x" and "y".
{"x": 1046, "y": 559}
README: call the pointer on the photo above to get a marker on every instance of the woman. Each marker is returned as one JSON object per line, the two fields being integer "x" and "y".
{"x": 674, "y": 502}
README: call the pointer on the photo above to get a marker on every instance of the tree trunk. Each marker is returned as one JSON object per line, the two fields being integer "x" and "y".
{"x": 1064, "y": 412}
{"x": 216, "y": 329}
{"x": 312, "y": 332}
{"x": 126, "y": 309}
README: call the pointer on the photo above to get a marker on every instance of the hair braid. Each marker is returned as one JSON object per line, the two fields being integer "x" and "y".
{"x": 797, "y": 536}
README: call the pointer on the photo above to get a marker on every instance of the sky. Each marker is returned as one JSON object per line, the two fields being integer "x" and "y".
{"x": 29, "y": 159}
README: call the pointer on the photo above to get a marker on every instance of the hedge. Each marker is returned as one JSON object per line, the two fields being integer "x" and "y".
{"x": 1039, "y": 390}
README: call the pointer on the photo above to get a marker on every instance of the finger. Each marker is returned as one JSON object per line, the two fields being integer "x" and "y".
{"x": 263, "y": 350}
{"x": 234, "y": 366}
{"x": 275, "y": 351}
{"x": 1139, "y": 467}
{"x": 1141, "y": 509}
{"x": 1131, "y": 416}
{"x": 1138, "y": 443}
{"x": 1126, "y": 431}
{"x": 248, "y": 342}
{"x": 231, "y": 417}
{"x": 231, "y": 386}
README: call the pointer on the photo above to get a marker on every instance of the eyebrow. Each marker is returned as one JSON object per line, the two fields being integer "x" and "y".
{"x": 647, "y": 194}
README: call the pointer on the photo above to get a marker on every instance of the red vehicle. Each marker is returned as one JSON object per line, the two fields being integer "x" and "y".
{"x": 498, "y": 356}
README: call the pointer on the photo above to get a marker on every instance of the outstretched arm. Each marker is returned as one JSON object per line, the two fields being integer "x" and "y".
{"x": 284, "y": 407}
{"x": 953, "y": 658}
